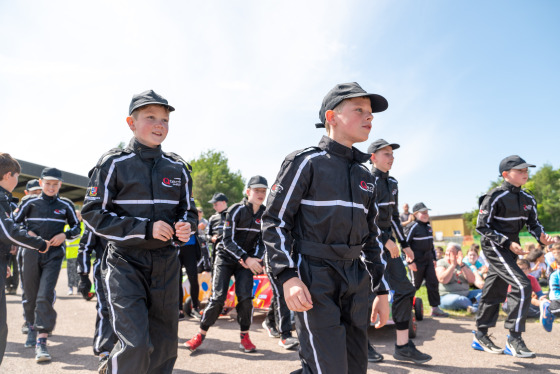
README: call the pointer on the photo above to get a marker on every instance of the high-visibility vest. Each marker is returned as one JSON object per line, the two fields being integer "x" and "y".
{"x": 72, "y": 246}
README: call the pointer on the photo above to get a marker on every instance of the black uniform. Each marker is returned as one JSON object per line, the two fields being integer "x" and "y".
{"x": 321, "y": 217}
{"x": 241, "y": 239}
{"x": 395, "y": 273}
{"x": 46, "y": 216}
{"x": 104, "y": 338}
{"x": 10, "y": 234}
{"x": 12, "y": 281}
{"x": 504, "y": 211}
{"x": 421, "y": 240}
{"x": 216, "y": 227}
{"x": 130, "y": 190}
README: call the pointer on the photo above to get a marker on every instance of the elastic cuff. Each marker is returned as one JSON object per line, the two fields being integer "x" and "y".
{"x": 287, "y": 274}
{"x": 43, "y": 246}
{"x": 244, "y": 256}
{"x": 403, "y": 325}
{"x": 383, "y": 292}
{"x": 149, "y": 230}
{"x": 67, "y": 234}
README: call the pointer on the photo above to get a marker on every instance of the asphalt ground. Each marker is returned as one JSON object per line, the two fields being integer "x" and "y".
{"x": 446, "y": 339}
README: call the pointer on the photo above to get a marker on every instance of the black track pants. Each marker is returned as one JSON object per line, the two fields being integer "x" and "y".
{"x": 104, "y": 338}
{"x": 13, "y": 280}
{"x": 395, "y": 275}
{"x": 502, "y": 272}
{"x": 224, "y": 268}
{"x": 40, "y": 274}
{"x": 426, "y": 270}
{"x": 188, "y": 259}
{"x": 3, "y": 312}
{"x": 333, "y": 334}
{"x": 281, "y": 316}
{"x": 142, "y": 292}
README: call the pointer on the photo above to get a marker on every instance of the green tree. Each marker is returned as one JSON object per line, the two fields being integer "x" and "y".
{"x": 211, "y": 174}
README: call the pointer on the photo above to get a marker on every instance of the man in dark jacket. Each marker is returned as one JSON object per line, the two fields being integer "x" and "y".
{"x": 239, "y": 254}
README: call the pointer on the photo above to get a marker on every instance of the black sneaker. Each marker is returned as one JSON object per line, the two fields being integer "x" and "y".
{"x": 195, "y": 313}
{"x": 484, "y": 343}
{"x": 373, "y": 355}
{"x": 410, "y": 353}
{"x": 31, "y": 338}
{"x": 271, "y": 330}
{"x": 288, "y": 343}
{"x": 516, "y": 347}
{"x": 181, "y": 315}
{"x": 103, "y": 365}
{"x": 41, "y": 353}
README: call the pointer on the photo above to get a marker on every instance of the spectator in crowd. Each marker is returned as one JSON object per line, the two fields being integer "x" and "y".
{"x": 472, "y": 261}
{"x": 553, "y": 266}
{"x": 439, "y": 253}
{"x": 406, "y": 218}
{"x": 454, "y": 279}
{"x": 481, "y": 257}
{"x": 537, "y": 265}
{"x": 549, "y": 256}
{"x": 537, "y": 295}
{"x": 551, "y": 310}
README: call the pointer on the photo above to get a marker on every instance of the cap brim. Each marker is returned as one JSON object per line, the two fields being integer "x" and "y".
{"x": 523, "y": 166}
{"x": 51, "y": 179}
{"x": 421, "y": 210}
{"x": 378, "y": 103}
{"x": 258, "y": 186}
{"x": 34, "y": 188}
{"x": 171, "y": 109}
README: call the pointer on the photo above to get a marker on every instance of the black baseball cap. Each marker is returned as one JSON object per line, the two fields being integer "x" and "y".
{"x": 147, "y": 98}
{"x": 345, "y": 91}
{"x": 51, "y": 174}
{"x": 218, "y": 196}
{"x": 257, "y": 182}
{"x": 513, "y": 162}
{"x": 32, "y": 185}
{"x": 381, "y": 143}
{"x": 419, "y": 207}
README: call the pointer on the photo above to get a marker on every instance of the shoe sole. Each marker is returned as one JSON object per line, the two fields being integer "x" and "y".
{"x": 404, "y": 358}
{"x": 287, "y": 346}
{"x": 42, "y": 358}
{"x": 190, "y": 348}
{"x": 511, "y": 352}
{"x": 241, "y": 348}
{"x": 375, "y": 359}
{"x": 476, "y": 345}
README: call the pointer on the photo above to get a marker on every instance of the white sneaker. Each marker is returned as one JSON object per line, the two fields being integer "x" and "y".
{"x": 70, "y": 291}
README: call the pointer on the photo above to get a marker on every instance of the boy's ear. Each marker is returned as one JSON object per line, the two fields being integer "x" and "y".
{"x": 130, "y": 121}
{"x": 329, "y": 115}
{"x": 41, "y": 182}
{"x": 504, "y": 174}
{"x": 5, "y": 176}
{"x": 372, "y": 158}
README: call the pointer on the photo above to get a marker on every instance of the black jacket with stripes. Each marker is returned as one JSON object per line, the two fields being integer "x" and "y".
{"x": 12, "y": 233}
{"x": 323, "y": 204}
{"x": 46, "y": 216}
{"x": 242, "y": 236}
{"x": 504, "y": 211}
{"x": 388, "y": 203}
{"x": 130, "y": 189}
{"x": 88, "y": 244}
{"x": 421, "y": 241}
{"x": 216, "y": 227}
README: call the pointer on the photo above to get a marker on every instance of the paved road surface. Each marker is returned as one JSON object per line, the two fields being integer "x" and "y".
{"x": 447, "y": 340}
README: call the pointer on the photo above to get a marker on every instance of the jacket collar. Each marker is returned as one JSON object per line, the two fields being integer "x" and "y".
{"x": 379, "y": 173}
{"x": 145, "y": 152}
{"x": 6, "y": 192}
{"x": 510, "y": 187}
{"x": 250, "y": 205}
{"x": 47, "y": 197}
{"x": 350, "y": 154}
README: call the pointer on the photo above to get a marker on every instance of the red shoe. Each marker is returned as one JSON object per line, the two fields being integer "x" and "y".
{"x": 246, "y": 344}
{"x": 194, "y": 343}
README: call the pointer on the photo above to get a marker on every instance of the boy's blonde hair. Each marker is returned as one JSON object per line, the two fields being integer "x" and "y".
{"x": 8, "y": 164}
{"x": 134, "y": 114}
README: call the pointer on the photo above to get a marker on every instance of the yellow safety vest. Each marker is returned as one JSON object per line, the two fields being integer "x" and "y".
{"x": 72, "y": 246}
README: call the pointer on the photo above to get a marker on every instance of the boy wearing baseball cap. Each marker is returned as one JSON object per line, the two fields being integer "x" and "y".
{"x": 504, "y": 211}
{"x": 140, "y": 199}
{"x": 215, "y": 229}
{"x": 395, "y": 273}
{"x": 321, "y": 235}
{"x": 45, "y": 216}
{"x": 239, "y": 254}
{"x": 11, "y": 234}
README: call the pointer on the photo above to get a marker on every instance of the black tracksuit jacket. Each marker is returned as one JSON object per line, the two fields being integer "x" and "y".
{"x": 88, "y": 244}
{"x": 421, "y": 241}
{"x": 242, "y": 232}
{"x": 216, "y": 226}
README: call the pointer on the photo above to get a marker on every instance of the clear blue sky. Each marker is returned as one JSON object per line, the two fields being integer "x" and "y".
{"x": 468, "y": 82}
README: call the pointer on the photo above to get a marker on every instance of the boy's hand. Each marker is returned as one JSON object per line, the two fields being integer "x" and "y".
{"x": 546, "y": 239}
{"x": 8, "y": 272}
{"x": 381, "y": 309}
{"x": 183, "y": 231}
{"x": 516, "y": 248}
{"x": 408, "y": 253}
{"x": 58, "y": 239}
{"x": 47, "y": 248}
{"x": 254, "y": 264}
{"x": 162, "y": 231}
{"x": 412, "y": 266}
{"x": 392, "y": 247}
{"x": 297, "y": 295}
{"x": 214, "y": 238}
{"x": 13, "y": 250}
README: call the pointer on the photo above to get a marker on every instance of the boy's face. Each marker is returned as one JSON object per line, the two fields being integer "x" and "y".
{"x": 422, "y": 216}
{"x": 256, "y": 195}
{"x": 10, "y": 181}
{"x": 353, "y": 123}
{"x": 517, "y": 177}
{"x": 472, "y": 257}
{"x": 151, "y": 126}
{"x": 50, "y": 186}
{"x": 383, "y": 159}
{"x": 556, "y": 254}
{"x": 524, "y": 268}
{"x": 219, "y": 206}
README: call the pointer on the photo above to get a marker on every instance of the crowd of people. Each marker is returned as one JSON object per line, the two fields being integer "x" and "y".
{"x": 330, "y": 254}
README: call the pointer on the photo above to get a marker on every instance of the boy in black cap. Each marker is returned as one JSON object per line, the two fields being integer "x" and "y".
{"x": 239, "y": 254}
{"x": 504, "y": 211}
{"x": 11, "y": 234}
{"x": 321, "y": 235}
{"x": 395, "y": 273}
{"x": 45, "y": 216}
{"x": 423, "y": 265}
{"x": 215, "y": 229}
{"x": 140, "y": 199}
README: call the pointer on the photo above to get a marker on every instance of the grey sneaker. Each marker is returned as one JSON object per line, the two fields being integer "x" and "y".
{"x": 31, "y": 338}
{"x": 271, "y": 330}
{"x": 410, "y": 353}
{"x": 288, "y": 343}
{"x": 437, "y": 312}
{"x": 484, "y": 343}
{"x": 103, "y": 366}
{"x": 24, "y": 328}
{"x": 516, "y": 347}
{"x": 41, "y": 353}
{"x": 373, "y": 355}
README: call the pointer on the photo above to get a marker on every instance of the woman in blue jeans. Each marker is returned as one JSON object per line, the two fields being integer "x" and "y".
{"x": 455, "y": 279}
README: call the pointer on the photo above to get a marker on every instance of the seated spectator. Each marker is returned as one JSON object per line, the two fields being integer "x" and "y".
{"x": 549, "y": 256}
{"x": 538, "y": 266}
{"x": 476, "y": 266}
{"x": 537, "y": 296}
{"x": 553, "y": 266}
{"x": 551, "y": 310}
{"x": 454, "y": 279}
{"x": 439, "y": 253}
